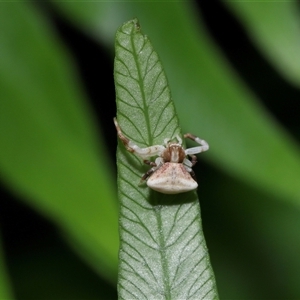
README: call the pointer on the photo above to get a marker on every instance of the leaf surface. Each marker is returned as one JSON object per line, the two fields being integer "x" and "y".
{"x": 163, "y": 253}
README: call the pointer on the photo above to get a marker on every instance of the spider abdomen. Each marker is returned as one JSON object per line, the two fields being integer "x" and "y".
{"x": 172, "y": 178}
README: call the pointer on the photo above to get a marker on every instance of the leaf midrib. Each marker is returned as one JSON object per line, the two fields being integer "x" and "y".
{"x": 157, "y": 209}
{"x": 162, "y": 251}
{"x": 140, "y": 81}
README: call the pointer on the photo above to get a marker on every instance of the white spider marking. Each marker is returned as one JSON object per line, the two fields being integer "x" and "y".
{"x": 171, "y": 173}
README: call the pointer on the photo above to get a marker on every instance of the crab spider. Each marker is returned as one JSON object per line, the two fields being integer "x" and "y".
{"x": 171, "y": 173}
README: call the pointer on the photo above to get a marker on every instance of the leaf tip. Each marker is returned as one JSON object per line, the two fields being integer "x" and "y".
{"x": 130, "y": 26}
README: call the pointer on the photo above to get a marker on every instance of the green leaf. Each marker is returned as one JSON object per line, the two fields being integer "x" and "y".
{"x": 163, "y": 253}
{"x": 278, "y": 41}
{"x": 50, "y": 153}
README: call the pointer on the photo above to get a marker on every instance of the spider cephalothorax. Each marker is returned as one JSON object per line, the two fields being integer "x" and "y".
{"x": 171, "y": 173}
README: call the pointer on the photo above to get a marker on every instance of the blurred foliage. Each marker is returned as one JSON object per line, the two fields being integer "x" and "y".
{"x": 49, "y": 148}
{"x": 279, "y": 41}
{"x": 53, "y": 156}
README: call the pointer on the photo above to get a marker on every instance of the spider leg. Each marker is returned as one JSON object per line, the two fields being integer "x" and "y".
{"x": 179, "y": 139}
{"x": 122, "y": 137}
{"x": 148, "y": 174}
{"x": 193, "y": 175}
{"x": 204, "y": 146}
{"x": 155, "y": 165}
{"x": 144, "y": 153}
{"x": 150, "y": 163}
{"x": 194, "y": 159}
{"x": 166, "y": 141}
{"x": 188, "y": 166}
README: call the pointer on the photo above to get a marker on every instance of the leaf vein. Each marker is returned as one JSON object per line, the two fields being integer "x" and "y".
{"x": 201, "y": 286}
{"x": 137, "y": 238}
{"x": 184, "y": 232}
{"x": 154, "y": 85}
{"x": 140, "y": 223}
{"x": 133, "y": 271}
{"x": 131, "y": 95}
{"x": 129, "y": 292}
{"x": 137, "y": 203}
{"x": 190, "y": 272}
{"x": 163, "y": 128}
{"x": 143, "y": 259}
{"x": 136, "y": 128}
{"x": 118, "y": 59}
